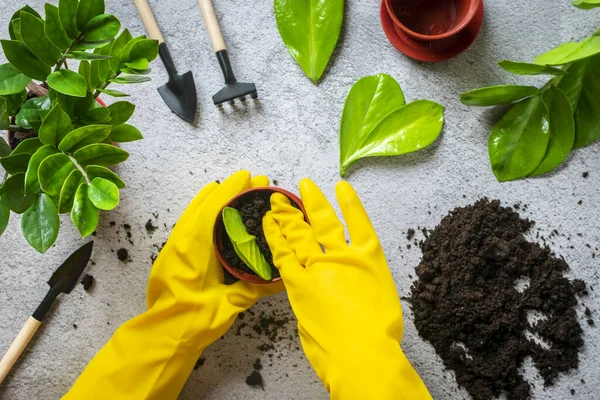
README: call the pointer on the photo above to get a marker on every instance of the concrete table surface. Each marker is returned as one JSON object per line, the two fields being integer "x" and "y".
{"x": 292, "y": 132}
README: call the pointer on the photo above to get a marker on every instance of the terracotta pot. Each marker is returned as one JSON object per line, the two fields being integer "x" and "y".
{"x": 220, "y": 232}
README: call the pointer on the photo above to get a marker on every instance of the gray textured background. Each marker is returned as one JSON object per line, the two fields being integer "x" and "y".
{"x": 293, "y": 133}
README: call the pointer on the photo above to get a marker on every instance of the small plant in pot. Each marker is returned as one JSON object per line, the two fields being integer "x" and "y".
{"x": 61, "y": 136}
{"x": 239, "y": 238}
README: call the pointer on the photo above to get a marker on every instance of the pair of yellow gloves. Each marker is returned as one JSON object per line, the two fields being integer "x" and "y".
{"x": 349, "y": 314}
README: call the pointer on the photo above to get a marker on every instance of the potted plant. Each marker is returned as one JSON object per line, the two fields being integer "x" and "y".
{"x": 239, "y": 238}
{"x": 60, "y": 141}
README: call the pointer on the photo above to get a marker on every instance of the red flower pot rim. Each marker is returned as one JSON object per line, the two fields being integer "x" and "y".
{"x": 219, "y": 231}
{"x": 473, "y": 7}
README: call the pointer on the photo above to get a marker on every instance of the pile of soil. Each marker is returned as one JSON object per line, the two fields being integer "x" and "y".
{"x": 478, "y": 283}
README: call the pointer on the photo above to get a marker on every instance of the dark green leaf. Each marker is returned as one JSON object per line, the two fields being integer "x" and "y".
{"x": 4, "y": 216}
{"x": 125, "y": 133}
{"x": 82, "y": 55}
{"x": 570, "y": 52}
{"x": 125, "y": 54}
{"x": 103, "y": 194}
{"x": 67, "y": 10}
{"x": 12, "y": 80}
{"x": 586, "y": 4}
{"x": 15, "y": 101}
{"x": 562, "y": 130}
{"x": 120, "y": 112}
{"x": 587, "y": 115}
{"x": 28, "y": 146}
{"x": 24, "y": 60}
{"x": 84, "y": 136}
{"x": 40, "y": 223}
{"x": 84, "y": 214}
{"x": 54, "y": 29}
{"x": 140, "y": 64}
{"x": 103, "y": 66}
{"x": 86, "y": 71}
{"x": 83, "y": 46}
{"x": 101, "y": 154}
{"x": 99, "y": 115}
{"x": 127, "y": 79}
{"x": 101, "y": 27}
{"x": 13, "y": 193}
{"x": 310, "y": 30}
{"x": 53, "y": 172}
{"x": 55, "y": 126}
{"x": 113, "y": 93}
{"x": 81, "y": 106}
{"x": 68, "y": 82}
{"x": 17, "y": 16}
{"x": 572, "y": 82}
{"x": 15, "y": 163}
{"x": 4, "y": 148}
{"x": 96, "y": 171}
{"x": 67, "y": 193}
{"x": 519, "y": 140}
{"x": 36, "y": 40}
{"x": 4, "y": 116}
{"x": 29, "y": 115}
{"x": 87, "y": 10}
{"x": 521, "y": 68}
{"x": 497, "y": 95}
{"x": 32, "y": 183}
{"x": 117, "y": 49}
{"x": 145, "y": 48}
{"x": 15, "y": 26}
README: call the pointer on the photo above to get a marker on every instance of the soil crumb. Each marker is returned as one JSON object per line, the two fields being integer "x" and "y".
{"x": 255, "y": 380}
{"x": 123, "y": 254}
{"x": 480, "y": 282}
{"x": 87, "y": 282}
{"x": 150, "y": 227}
{"x": 199, "y": 363}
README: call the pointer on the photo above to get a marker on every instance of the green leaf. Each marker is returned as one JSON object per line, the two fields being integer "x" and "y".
{"x": 24, "y": 60}
{"x": 245, "y": 244}
{"x": 99, "y": 115}
{"x": 519, "y": 140}
{"x": 100, "y": 154}
{"x": 35, "y": 38}
{"x": 497, "y": 95}
{"x": 15, "y": 26}
{"x": 84, "y": 136}
{"x": 87, "y": 10}
{"x": 144, "y": 48}
{"x": 17, "y": 16}
{"x": 4, "y": 116}
{"x": 83, "y": 55}
{"x": 32, "y": 183}
{"x": 125, "y": 54}
{"x": 12, "y": 80}
{"x": 13, "y": 193}
{"x": 521, "y": 68}
{"x": 103, "y": 194}
{"x": 4, "y": 216}
{"x": 85, "y": 70}
{"x": 125, "y": 133}
{"x": 127, "y": 79}
{"x": 28, "y": 146}
{"x": 572, "y": 82}
{"x": 54, "y": 29}
{"x": 15, "y": 163}
{"x": 96, "y": 171}
{"x": 80, "y": 106}
{"x": 15, "y": 101}
{"x": 29, "y": 116}
{"x": 55, "y": 126}
{"x": 101, "y": 27}
{"x": 53, "y": 172}
{"x": 67, "y": 193}
{"x": 120, "y": 112}
{"x": 562, "y": 129}
{"x": 587, "y": 115}
{"x": 68, "y": 82}
{"x": 113, "y": 93}
{"x": 117, "y": 49}
{"x": 85, "y": 214}
{"x": 67, "y": 10}
{"x": 140, "y": 64}
{"x": 310, "y": 30}
{"x": 369, "y": 101}
{"x": 102, "y": 66}
{"x": 4, "y": 148}
{"x": 586, "y": 4}
{"x": 82, "y": 46}
{"x": 136, "y": 71}
{"x": 40, "y": 223}
{"x": 407, "y": 129}
{"x": 570, "y": 52}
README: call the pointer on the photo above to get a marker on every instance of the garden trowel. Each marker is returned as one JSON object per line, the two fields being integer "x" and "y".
{"x": 63, "y": 280}
{"x": 180, "y": 91}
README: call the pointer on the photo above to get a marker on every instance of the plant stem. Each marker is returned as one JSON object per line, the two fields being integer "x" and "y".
{"x": 105, "y": 84}
{"x": 14, "y": 128}
{"x": 80, "y": 168}
{"x": 63, "y": 58}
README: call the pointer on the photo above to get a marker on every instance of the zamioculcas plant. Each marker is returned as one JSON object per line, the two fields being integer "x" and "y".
{"x": 310, "y": 30}
{"x": 536, "y": 135}
{"x": 377, "y": 122}
{"x": 61, "y": 139}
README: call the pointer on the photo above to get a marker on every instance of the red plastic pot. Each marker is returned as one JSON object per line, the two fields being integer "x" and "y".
{"x": 219, "y": 233}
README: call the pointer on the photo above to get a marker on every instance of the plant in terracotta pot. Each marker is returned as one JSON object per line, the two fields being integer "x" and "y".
{"x": 239, "y": 238}
{"x": 61, "y": 136}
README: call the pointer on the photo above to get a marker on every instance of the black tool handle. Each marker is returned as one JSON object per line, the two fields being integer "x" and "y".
{"x": 225, "y": 64}
{"x": 45, "y": 305}
{"x": 165, "y": 56}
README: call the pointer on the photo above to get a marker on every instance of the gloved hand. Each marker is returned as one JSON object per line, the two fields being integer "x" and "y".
{"x": 189, "y": 307}
{"x": 348, "y": 310}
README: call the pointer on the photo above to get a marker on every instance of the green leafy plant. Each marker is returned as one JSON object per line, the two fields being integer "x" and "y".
{"x": 377, "y": 122}
{"x": 310, "y": 30}
{"x": 66, "y": 136}
{"x": 587, "y": 4}
{"x": 244, "y": 244}
{"x": 536, "y": 135}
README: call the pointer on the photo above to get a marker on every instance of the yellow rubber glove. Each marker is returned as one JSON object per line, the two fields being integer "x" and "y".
{"x": 348, "y": 310}
{"x": 189, "y": 307}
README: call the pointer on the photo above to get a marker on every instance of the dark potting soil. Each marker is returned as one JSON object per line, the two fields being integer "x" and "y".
{"x": 466, "y": 301}
{"x": 87, "y": 282}
{"x": 253, "y": 208}
{"x": 123, "y": 254}
{"x": 255, "y": 379}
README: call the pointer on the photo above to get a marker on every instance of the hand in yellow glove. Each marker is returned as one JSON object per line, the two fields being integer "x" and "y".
{"x": 348, "y": 310}
{"x": 189, "y": 307}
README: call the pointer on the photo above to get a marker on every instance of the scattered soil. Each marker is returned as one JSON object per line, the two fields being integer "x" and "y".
{"x": 150, "y": 227}
{"x": 123, "y": 254}
{"x": 479, "y": 282}
{"x": 586, "y": 174}
{"x": 199, "y": 363}
{"x": 87, "y": 282}
{"x": 255, "y": 380}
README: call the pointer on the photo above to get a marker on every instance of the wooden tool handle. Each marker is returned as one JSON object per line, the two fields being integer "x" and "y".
{"x": 149, "y": 21}
{"x": 17, "y": 346}
{"x": 212, "y": 25}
